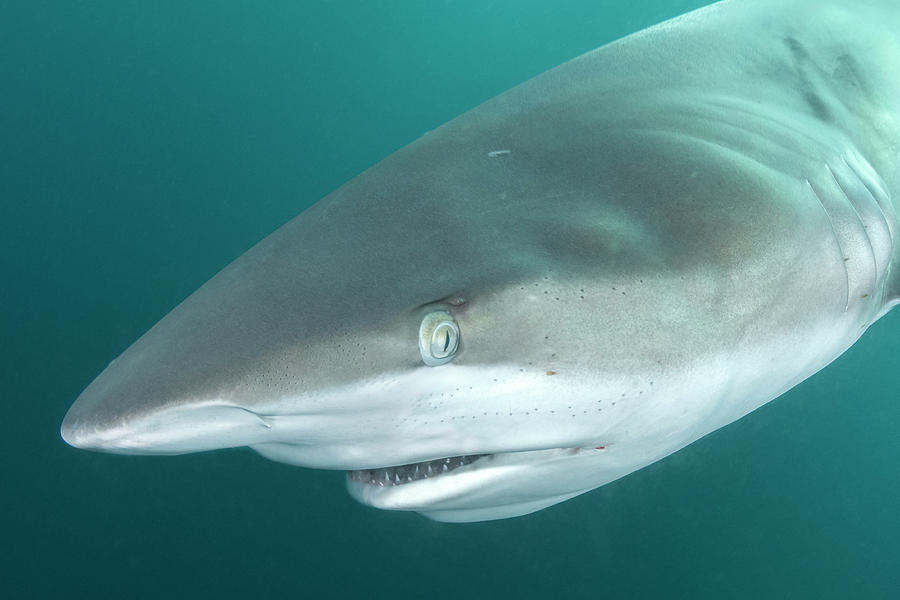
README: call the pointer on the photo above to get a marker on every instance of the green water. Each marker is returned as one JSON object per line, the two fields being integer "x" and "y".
{"x": 143, "y": 145}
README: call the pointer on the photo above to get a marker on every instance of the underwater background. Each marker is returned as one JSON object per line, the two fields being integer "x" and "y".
{"x": 144, "y": 145}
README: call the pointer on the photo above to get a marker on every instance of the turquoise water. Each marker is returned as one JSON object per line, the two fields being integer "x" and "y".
{"x": 146, "y": 144}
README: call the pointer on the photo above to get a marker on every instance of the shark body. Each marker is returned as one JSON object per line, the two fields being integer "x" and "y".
{"x": 561, "y": 286}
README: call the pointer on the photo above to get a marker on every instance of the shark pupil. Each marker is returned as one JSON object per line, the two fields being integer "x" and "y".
{"x": 442, "y": 341}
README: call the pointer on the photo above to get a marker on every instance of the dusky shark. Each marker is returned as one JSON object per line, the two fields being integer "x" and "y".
{"x": 561, "y": 286}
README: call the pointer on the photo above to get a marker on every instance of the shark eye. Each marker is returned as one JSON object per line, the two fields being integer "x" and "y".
{"x": 438, "y": 338}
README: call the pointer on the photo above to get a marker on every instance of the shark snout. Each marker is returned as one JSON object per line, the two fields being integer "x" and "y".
{"x": 118, "y": 414}
{"x": 75, "y": 434}
{"x": 186, "y": 428}
{"x": 92, "y": 421}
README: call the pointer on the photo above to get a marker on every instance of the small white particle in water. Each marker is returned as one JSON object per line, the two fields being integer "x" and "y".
{"x": 496, "y": 153}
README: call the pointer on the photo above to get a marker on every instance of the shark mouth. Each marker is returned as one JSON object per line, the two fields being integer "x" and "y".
{"x": 390, "y": 476}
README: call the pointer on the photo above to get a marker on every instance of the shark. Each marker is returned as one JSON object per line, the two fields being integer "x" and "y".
{"x": 559, "y": 287}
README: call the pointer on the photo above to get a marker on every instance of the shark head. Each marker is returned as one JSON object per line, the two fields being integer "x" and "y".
{"x": 561, "y": 286}
{"x": 431, "y": 327}
{"x": 437, "y": 327}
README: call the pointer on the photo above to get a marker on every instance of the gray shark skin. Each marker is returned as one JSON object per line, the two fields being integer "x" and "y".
{"x": 559, "y": 287}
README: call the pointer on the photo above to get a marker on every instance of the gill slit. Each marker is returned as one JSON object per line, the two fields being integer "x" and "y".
{"x": 861, "y": 224}
{"x": 837, "y": 240}
{"x": 875, "y": 197}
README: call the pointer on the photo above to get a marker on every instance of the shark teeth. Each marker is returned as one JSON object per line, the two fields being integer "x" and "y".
{"x": 402, "y": 474}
